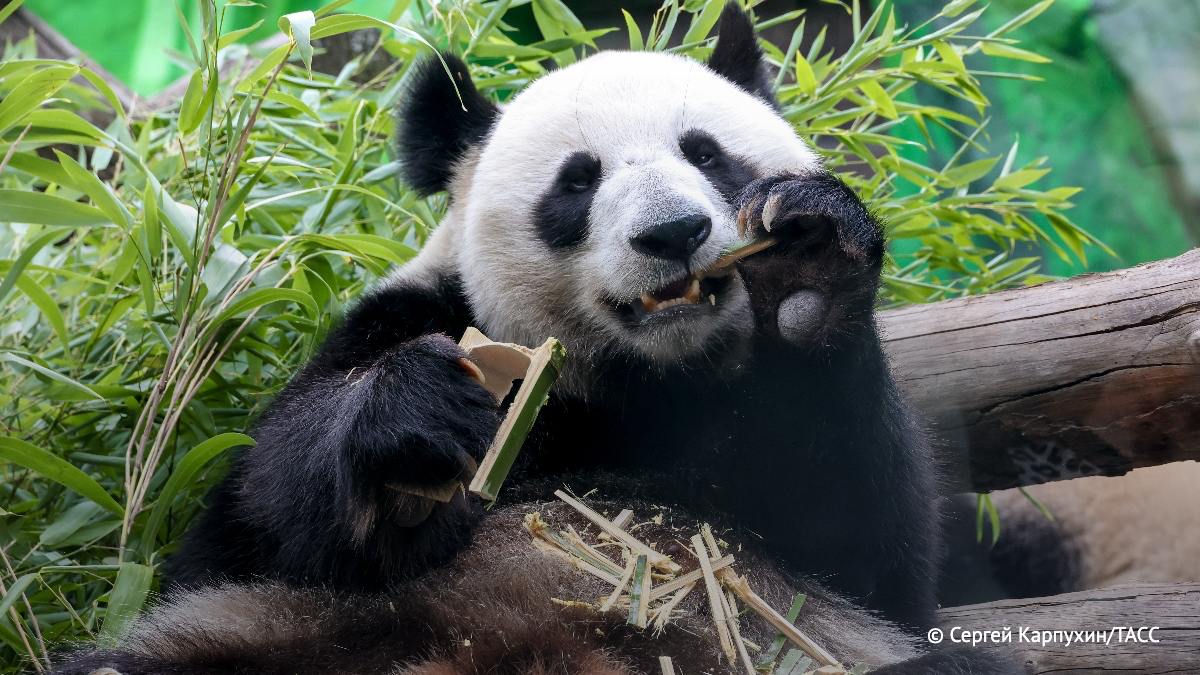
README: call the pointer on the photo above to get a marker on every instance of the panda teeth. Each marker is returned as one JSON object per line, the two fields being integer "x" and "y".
{"x": 690, "y": 297}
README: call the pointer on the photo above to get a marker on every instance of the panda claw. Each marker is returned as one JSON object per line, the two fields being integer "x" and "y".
{"x": 770, "y": 210}
{"x": 471, "y": 369}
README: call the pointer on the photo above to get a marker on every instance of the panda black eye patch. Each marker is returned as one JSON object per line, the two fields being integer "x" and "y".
{"x": 726, "y": 172}
{"x": 561, "y": 214}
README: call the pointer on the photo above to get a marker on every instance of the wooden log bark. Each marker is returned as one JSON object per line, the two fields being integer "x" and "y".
{"x": 1173, "y": 608}
{"x": 1095, "y": 375}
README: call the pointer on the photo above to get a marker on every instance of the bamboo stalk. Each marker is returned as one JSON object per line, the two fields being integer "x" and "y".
{"x": 692, "y": 577}
{"x": 611, "y": 600}
{"x": 736, "y": 633}
{"x": 741, "y": 588}
{"x": 639, "y": 592}
{"x": 715, "y": 604}
{"x": 657, "y": 559}
{"x": 740, "y": 250}
{"x": 662, "y": 613}
{"x": 623, "y": 518}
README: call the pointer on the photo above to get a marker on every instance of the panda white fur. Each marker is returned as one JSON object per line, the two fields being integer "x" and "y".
{"x": 758, "y": 400}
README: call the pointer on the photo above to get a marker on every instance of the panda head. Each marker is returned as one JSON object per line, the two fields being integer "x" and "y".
{"x": 584, "y": 207}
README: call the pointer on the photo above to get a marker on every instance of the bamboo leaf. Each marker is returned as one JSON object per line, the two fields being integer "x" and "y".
{"x": 703, "y": 22}
{"x": 6, "y": 12}
{"x": 636, "y": 43}
{"x": 56, "y": 376}
{"x": 31, "y": 92}
{"x": 298, "y": 27}
{"x": 15, "y": 590}
{"x": 47, "y": 306}
{"x": 967, "y": 173}
{"x": 235, "y": 35}
{"x": 805, "y": 77}
{"x": 1009, "y": 52}
{"x": 17, "y": 451}
{"x": 126, "y": 598}
{"x": 20, "y": 206}
{"x": 23, "y": 260}
{"x": 182, "y": 477}
{"x": 883, "y": 102}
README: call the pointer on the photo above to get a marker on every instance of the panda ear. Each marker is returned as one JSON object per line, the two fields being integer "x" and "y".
{"x": 737, "y": 57}
{"x": 435, "y": 129}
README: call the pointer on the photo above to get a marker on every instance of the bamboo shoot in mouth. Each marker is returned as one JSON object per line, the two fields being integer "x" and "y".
{"x": 737, "y": 251}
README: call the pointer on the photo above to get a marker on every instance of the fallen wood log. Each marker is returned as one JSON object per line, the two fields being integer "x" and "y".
{"x": 1095, "y": 375}
{"x": 1173, "y": 608}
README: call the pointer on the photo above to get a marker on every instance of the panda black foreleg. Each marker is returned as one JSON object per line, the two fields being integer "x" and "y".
{"x": 819, "y": 282}
{"x": 316, "y": 502}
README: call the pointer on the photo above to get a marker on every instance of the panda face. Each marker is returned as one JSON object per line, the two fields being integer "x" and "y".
{"x": 601, "y": 192}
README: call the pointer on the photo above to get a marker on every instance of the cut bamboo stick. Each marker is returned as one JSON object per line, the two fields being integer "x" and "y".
{"x": 657, "y": 559}
{"x": 768, "y": 657}
{"x": 662, "y": 613}
{"x": 611, "y": 600}
{"x": 623, "y": 518}
{"x": 639, "y": 592}
{"x": 547, "y": 541}
{"x": 603, "y": 560}
{"x": 668, "y": 668}
{"x": 663, "y": 590}
{"x": 715, "y": 604}
{"x": 496, "y": 365}
{"x": 735, "y": 632}
{"x": 742, "y": 589}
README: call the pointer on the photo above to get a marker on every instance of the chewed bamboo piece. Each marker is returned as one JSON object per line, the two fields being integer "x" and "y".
{"x": 496, "y": 366}
{"x": 501, "y": 364}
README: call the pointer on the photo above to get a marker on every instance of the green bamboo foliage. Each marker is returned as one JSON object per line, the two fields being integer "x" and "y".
{"x": 164, "y": 273}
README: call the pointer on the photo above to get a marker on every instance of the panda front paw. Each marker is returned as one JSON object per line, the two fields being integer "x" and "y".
{"x": 821, "y": 276}
{"x": 426, "y": 420}
{"x": 810, "y": 212}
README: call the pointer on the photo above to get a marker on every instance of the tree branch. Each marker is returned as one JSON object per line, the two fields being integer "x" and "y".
{"x": 1098, "y": 374}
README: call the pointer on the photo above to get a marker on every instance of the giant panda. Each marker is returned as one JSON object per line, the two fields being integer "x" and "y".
{"x": 758, "y": 400}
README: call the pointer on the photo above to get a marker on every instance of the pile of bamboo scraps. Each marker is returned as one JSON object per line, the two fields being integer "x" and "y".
{"x": 651, "y": 587}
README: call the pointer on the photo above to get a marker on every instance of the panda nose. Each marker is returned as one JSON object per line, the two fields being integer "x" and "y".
{"x": 675, "y": 239}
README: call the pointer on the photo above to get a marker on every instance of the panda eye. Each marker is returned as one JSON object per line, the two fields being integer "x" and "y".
{"x": 579, "y": 173}
{"x": 700, "y": 149}
{"x": 578, "y": 183}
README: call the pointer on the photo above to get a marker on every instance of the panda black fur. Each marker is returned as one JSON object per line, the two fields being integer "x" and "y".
{"x": 769, "y": 408}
